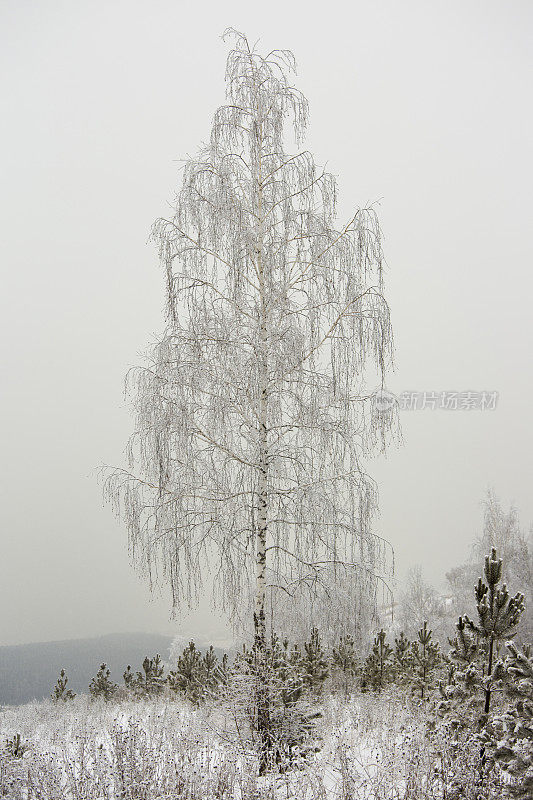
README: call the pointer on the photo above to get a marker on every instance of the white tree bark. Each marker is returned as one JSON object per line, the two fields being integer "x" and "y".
{"x": 262, "y": 492}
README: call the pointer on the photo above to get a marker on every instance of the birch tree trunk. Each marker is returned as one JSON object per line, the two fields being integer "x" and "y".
{"x": 263, "y": 336}
{"x": 262, "y": 691}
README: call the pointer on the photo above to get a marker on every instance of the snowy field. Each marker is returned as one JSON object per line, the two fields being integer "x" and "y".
{"x": 372, "y": 748}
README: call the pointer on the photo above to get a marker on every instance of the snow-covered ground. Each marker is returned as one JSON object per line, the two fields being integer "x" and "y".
{"x": 371, "y": 748}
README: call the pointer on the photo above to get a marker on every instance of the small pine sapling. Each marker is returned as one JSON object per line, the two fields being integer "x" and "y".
{"x": 220, "y": 674}
{"x": 221, "y": 671}
{"x": 287, "y": 671}
{"x": 129, "y": 680}
{"x": 296, "y": 657}
{"x": 102, "y": 685}
{"x": 209, "y": 665}
{"x": 292, "y": 720}
{"x": 402, "y": 659}
{"x": 509, "y": 737}
{"x": 292, "y": 731}
{"x": 189, "y": 676}
{"x": 460, "y": 703}
{"x": 151, "y": 679}
{"x": 472, "y": 653}
{"x": 14, "y": 748}
{"x": 215, "y": 672}
{"x": 498, "y": 614}
{"x": 344, "y": 660}
{"x": 425, "y": 658}
{"x": 378, "y": 668}
{"x": 61, "y": 693}
{"x": 467, "y": 699}
{"x": 314, "y": 662}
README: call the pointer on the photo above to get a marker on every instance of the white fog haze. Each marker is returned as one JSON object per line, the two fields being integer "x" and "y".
{"x": 423, "y": 108}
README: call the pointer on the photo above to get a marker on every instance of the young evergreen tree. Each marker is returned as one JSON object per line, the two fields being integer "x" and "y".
{"x": 296, "y": 656}
{"x": 314, "y": 663}
{"x": 378, "y": 669}
{"x": 102, "y": 685}
{"x": 344, "y": 660}
{"x": 501, "y": 530}
{"x": 15, "y": 748}
{"x": 292, "y": 673}
{"x": 222, "y": 671}
{"x": 288, "y": 671}
{"x": 402, "y": 659}
{"x": 519, "y": 720}
{"x": 210, "y": 664}
{"x": 293, "y": 716}
{"x": 498, "y": 614}
{"x": 61, "y": 693}
{"x": 461, "y": 697}
{"x": 185, "y": 677}
{"x": 197, "y": 676}
{"x": 151, "y": 680}
{"x": 285, "y": 669}
{"x": 509, "y": 737}
{"x": 215, "y": 671}
{"x": 466, "y": 702}
{"x": 425, "y": 658}
{"x": 188, "y": 676}
{"x": 130, "y": 681}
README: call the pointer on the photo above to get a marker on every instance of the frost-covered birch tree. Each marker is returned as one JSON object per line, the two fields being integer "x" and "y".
{"x": 252, "y": 415}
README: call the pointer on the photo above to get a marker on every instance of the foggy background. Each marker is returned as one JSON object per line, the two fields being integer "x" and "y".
{"x": 425, "y": 106}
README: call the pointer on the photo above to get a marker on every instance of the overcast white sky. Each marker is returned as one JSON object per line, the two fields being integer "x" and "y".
{"x": 424, "y": 105}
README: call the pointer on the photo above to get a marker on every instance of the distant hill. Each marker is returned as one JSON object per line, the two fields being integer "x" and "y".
{"x": 30, "y": 671}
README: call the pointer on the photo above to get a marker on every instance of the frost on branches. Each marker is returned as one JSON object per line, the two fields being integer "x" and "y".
{"x": 252, "y": 414}
{"x": 509, "y": 737}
